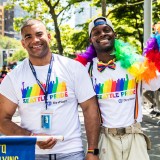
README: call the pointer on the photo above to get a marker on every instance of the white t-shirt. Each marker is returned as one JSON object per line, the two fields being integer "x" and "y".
{"x": 115, "y": 90}
{"x": 69, "y": 85}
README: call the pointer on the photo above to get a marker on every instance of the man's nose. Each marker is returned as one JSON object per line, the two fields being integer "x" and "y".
{"x": 35, "y": 38}
{"x": 102, "y": 33}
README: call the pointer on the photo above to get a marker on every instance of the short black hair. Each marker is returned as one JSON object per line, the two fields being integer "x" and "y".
{"x": 30, "y": 22}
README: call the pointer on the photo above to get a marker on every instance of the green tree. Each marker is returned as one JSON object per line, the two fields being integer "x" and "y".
{"x": 156, "y": 11}
{"x": 8, "y": 43}
{"x": 103, "y": 4}
{"x": 80, "y": 38}
{"x": 18, "y": 53}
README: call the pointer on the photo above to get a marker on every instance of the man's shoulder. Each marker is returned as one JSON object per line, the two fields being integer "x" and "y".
{"x": 58, "y": 56}
{"x": 66, "y": 60}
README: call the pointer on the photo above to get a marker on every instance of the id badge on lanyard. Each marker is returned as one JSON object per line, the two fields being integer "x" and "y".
{"x": 46, "y": 119}
{"x": 46, "y": 115}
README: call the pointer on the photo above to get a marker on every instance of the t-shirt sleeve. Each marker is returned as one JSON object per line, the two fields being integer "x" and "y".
{"x": 7, "y": 89}
{"x": 83, "y": 84}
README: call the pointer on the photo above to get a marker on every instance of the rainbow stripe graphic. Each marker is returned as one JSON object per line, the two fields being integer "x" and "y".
{"x": 56, "y": 90}
{"x": 109, "y": 87}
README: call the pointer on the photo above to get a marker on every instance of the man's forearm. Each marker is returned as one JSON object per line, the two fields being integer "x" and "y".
{"x": 92, "y": 125}
{"x": 7, "y": 127}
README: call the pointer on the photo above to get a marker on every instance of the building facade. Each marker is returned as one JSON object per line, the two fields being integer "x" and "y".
{"x": 7, "y": 20}
{"x": 8, "y": 23}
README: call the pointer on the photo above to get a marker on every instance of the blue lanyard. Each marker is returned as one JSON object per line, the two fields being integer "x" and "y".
{"x": 45, "y": 90}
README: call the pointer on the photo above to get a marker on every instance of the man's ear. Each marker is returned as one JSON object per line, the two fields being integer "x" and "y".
{"x": 49, "y": 37}
{"x": 90, "y": 40}
{"x": 115, "y": 35}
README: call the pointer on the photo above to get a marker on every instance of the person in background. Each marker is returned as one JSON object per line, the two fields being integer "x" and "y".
{"x": 150, "y": 96}
{"x": 47, "y": 88}
{"x": 116, "y": 72}
{"x": 156, "y": 110}
{"x": 12, "y": 65}
{"x": 153, "y": 98}
{"x": 3, "y": 72}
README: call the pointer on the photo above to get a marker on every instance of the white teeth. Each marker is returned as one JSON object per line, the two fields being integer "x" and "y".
{"x": 104, "y": 40}
{"x": 38, "y": 46}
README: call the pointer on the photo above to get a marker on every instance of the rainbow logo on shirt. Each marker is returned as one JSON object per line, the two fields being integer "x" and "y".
{"x": 34, "y": 93}
{"x": 114, "y": 89}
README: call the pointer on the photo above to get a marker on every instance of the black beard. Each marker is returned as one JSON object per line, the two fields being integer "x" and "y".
{"x": 110, "y": 48}
{"x": 106, "y": 49}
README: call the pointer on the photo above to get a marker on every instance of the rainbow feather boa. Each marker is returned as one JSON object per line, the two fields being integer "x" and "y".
{"x": 141, "y": 67}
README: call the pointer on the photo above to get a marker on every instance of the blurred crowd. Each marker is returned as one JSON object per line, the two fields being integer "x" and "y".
{"x": 6, "y": 68}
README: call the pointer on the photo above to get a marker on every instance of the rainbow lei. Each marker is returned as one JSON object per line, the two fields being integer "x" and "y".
{"x": 141, "y": 67}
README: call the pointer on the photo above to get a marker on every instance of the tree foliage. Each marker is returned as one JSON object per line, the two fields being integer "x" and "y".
{"x": 12, "y": 44}
{"x": 126, "y": 15}
{"x": 18, "y": 55}
{"x": 8, "y": 43}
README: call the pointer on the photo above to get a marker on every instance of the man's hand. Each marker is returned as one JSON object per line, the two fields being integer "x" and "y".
{"x": 91, "y": 156}
{"x": 48, "y": 144}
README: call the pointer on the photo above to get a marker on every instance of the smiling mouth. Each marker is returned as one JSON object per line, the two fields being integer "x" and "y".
{"x": 36, "y": 46}
{"x": 103, "y": 41}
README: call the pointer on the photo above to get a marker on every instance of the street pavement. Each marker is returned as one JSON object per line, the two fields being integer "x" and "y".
{"x": 152, "y": 128}
{"x": 149, "y": 125}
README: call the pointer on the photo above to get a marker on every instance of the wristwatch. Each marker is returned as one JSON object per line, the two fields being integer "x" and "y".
{"x": 93, "y": 151}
